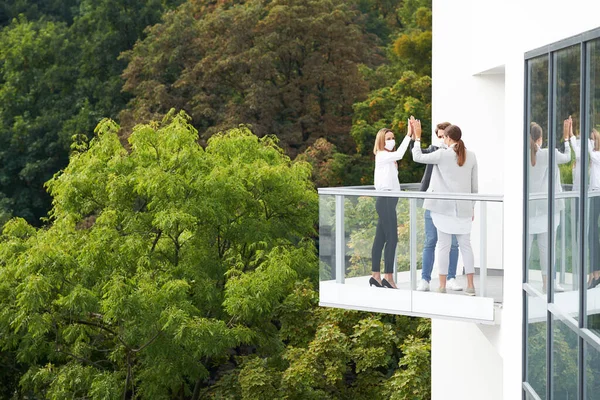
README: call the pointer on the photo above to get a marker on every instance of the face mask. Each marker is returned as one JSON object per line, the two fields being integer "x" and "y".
{"x": 389, "y": 144}
{"x": 443, "y": 145}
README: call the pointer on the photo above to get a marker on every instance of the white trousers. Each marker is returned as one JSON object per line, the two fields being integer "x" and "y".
{"x": 442, "y": 252}
{"x": 542, "y": 242}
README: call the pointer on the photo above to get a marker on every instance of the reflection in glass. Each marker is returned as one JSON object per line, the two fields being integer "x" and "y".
{"x": 566, "y": 127}
{"x": 593, "y": 122}
{"x": 536, "y": 345}
{"x": 592, "y": 373}
{"x": 537, "y": 224}
{"x": 565, "y": 361}
{"x": 326, "y": 237}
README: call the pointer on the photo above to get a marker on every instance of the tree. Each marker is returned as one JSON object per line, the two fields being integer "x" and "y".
{"x": 400, "y": 88}
{"x": 287, "y": 67}
{"x": 171, "y": 271}
{"x": 36, "y": 96}
{"x": 59, "y": 76}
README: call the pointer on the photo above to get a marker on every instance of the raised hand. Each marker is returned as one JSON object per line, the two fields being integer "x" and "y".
{"x": 567, "y": 127}
{"x": 571, "y": 131}
{"x": 416, "y": 127}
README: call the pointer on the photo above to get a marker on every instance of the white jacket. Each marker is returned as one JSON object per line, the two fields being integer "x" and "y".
{"x": 538, "y": 180}
{"x": 449, "y": 177}
{"x": 386, "y": 171}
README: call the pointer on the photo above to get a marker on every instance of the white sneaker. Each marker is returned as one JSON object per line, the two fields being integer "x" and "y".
{"x": 453, "y": 285}
{"x": 423, "y": 286}
{"x": 558, "y": 288}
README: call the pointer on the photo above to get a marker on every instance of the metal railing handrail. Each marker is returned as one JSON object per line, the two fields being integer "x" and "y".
{"x": 404, "y": 194}
{"x": 563, "y": 195}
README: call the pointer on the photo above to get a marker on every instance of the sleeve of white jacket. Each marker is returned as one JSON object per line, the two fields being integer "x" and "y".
{"x": 475, "y": 177}
{"x": 431, "y": 158}
{"x": 575, "y": 147}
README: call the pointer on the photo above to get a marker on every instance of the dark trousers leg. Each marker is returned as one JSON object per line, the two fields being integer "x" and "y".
{"x": 386, "y": 234}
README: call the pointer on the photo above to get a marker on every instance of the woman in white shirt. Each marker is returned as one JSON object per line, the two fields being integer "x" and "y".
{"x": 538, "y": 184}
{"x": 455, "y": 171}
{"x": 594, "y": 196}
{"x": 386, "y": 178}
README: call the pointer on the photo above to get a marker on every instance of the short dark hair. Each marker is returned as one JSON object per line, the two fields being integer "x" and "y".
{"x": 442, "y": 126}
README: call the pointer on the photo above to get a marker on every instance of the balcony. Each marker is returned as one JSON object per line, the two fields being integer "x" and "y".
{"x": 567, "y": 253}
{"x": 347, "y": 221}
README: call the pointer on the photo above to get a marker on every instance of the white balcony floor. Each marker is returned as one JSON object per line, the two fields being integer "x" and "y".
{"x": 356, "y": 294}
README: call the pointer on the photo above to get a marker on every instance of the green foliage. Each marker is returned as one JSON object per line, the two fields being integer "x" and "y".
{"x": 361, "y": 226}
{"x": 400, "y": 88}
{"x": 172, "y": 271}
{"x": 285, "y": 66}
{"x": 59, "y": 76}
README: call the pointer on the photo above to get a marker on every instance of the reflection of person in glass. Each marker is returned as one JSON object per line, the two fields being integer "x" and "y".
{"x": 538, "y": 185}
{"x": 594, "y": 196}
{"x": 455, "y": 171}
{"x": 386, "y": 178}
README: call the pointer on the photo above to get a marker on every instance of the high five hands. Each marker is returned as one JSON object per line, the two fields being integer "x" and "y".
{"x": 415, "y": 128}
{"x": 567, "y": 128}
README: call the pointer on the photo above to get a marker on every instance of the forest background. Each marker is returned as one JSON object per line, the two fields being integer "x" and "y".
{"x": 158, "y": 165}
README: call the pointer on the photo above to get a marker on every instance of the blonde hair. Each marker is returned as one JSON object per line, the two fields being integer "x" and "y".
{"x": 595, "y": 136}
{"x": 380, "y": 140}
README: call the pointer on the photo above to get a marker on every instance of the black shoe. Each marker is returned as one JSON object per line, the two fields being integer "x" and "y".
{"x": 594, "y": 283}
{"x": 386, "y": 284}
{"x": 374, "y": 282}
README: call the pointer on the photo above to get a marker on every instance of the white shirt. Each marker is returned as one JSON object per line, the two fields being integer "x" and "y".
{"x": 386, "y": 170}
{"x": 594, "y": 157}
{"x": 594, "y": 167}
{"x": 575, "y": 143}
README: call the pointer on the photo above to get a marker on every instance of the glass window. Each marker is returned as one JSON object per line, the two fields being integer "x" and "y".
{"x": 592, "y": 377}
{"x": 565, "y": 364}
{"x": 536, "y": 344}
{"x": 326, "y": 237}
{"x": 537, "y": 171}
{"x": 566, "y": 128}
{"x": 593, "y": 245}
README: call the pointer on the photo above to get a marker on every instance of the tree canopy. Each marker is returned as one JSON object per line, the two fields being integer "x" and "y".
{"x": 170, "y": 271}
{"x": 59, "y": 76}
{"x": 286, "y": 67}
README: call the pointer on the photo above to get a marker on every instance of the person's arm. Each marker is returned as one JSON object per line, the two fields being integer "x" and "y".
{"x": 428, "y": 150}
{"x": 398, "y": 154}
{"x": 563, "y": 158}
{"x": 420, "y": 157}
{"x": 575, "y": 147}
{"x": 417, "y": 153}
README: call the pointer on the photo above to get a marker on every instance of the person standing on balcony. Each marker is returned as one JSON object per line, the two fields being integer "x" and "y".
{"x": 594, "y": 196}
{"x": 538, "y": 184}
{"x": 431, "y": 231}
{"x": 386, "y": 178}
{"x": 454, "y": 171}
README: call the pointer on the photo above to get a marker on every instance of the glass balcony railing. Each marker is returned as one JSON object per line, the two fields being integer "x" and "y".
{"x": 347, "y": 225}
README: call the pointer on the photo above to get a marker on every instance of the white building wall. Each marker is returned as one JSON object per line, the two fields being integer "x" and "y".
{"x": 478, "y": 78}
{"x": 465, "y": 364}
